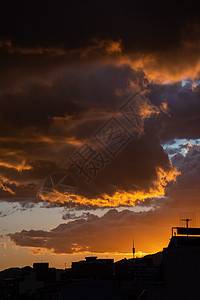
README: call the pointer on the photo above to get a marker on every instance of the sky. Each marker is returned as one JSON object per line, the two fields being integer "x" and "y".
{"x": 100, "y": 128}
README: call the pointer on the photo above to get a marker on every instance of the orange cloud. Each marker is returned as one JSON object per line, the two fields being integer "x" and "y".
{"x": 38, "y": 251}
{"x": 106, "y": 47}
{"x": 120, "y": 198}
{"x": 4, "y": 182}
{"x": 146, "y": 110}
{"x": 19, "y": 167}
{"x": 97, "y": 47}
{"x": 164, "y": 66}
{"x": 169, "y": 66}
{"x": 7, "y": 44}
{"x": 39, "y": 139}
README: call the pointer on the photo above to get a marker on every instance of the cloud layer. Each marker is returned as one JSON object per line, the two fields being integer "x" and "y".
{"x": 67, "y": 73}
{"x": 113, "y": 232}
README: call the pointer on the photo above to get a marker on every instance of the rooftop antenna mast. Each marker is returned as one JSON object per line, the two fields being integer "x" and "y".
{"x": 187, "y": 220}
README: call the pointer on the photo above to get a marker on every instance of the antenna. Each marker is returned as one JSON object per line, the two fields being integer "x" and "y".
{"x": 187, "y": 221}
{"x": 133, "y": 249}
{"x": 188, "y": 217}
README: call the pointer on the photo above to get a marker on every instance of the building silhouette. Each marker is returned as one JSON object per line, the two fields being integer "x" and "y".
{"x": 173, "y": 273}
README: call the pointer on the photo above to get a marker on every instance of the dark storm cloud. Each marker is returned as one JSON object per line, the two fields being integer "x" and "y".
{"x": 40, "y": 121}
{"x": 74, "y": 25}
{"x": 187, "y": 189}
{"x": 163, "y": 39}
{"x": 134, "y": 169}
{"x": 75, "y": 90}
{"x": 67, "y": 69}
{"x": 184, "y": 107}
{"x": 136, "y": 166}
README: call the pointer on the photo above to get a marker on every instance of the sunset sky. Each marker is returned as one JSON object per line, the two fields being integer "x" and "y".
{"x": 77, "y": 176}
